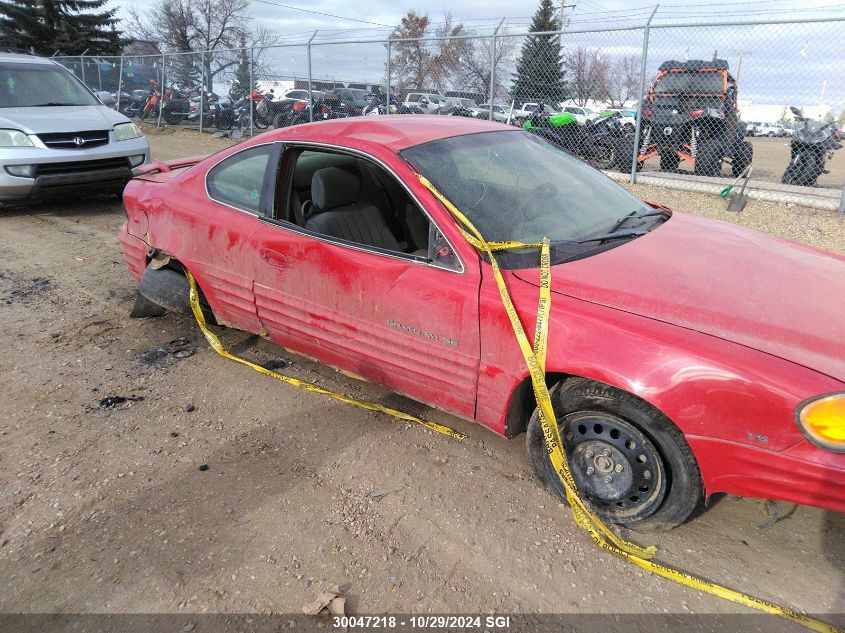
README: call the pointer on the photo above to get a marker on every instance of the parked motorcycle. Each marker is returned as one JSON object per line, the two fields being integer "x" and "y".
{"x": 812, "y": 144}
{"x": 605, "y": 143}
{"x": 378, "y": 106}
{"x": 329, "y": 106}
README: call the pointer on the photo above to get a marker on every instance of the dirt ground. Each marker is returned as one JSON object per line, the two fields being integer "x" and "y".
{"x": 212, "y": 488}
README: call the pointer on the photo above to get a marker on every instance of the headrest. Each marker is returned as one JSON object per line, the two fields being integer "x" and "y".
{"x": 332, "y": 187}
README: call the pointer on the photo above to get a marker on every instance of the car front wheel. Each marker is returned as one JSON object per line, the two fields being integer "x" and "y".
{"x": 631, "y": 465}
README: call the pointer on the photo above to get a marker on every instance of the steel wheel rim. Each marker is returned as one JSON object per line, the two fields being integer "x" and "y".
{"x": 618, "y": 469}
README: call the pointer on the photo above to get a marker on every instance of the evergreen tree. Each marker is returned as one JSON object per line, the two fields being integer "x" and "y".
{"x": 241, "y": 80}
{"x": 539, "y": 71}
{"x": 69, "y": 26}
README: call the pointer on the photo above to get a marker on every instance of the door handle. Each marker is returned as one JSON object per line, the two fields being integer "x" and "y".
{"x": 274, "y": 258}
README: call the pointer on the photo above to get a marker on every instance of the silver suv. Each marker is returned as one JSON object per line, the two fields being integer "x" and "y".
{"x": 56, "y": 137}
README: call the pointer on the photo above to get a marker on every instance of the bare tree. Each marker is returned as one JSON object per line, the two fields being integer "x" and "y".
{"x": 185, "y": 26}
{"x": 431, "y": 63}
{"x": 623, "y": 80}
{"x": 474, "y": 71}
{"x": 588, "y": 75}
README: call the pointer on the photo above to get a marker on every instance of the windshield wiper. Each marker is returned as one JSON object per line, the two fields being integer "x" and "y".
{"x": 622, "y": 235}
{"x": 53, "y": 103}
{"x": 633, "y": 215}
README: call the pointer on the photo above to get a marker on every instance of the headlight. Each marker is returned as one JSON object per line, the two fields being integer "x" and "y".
{"x": 126, "y": 131}
{"x": 14, "y": 138}
{"x": 822, "y": 419}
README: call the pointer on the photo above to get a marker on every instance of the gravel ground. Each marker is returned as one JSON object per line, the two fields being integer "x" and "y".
{"x": 212, "y": 489}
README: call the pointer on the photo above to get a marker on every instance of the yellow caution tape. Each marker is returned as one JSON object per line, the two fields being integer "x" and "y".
{"x": 535, "y": 359}
{"x": 218, "y": 347}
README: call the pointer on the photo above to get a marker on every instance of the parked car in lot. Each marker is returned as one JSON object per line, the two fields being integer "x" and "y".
{"x": 57, "y": 137}
{"x": 302, "y": 95}
{"x": 500, "y": 112}
{"x": 686, "y": 357}
{"x": 355, "y": 99}
{"x": 582, "y": 114}
{"x": 427, "y": 102}
{"x": 770, "y": 129}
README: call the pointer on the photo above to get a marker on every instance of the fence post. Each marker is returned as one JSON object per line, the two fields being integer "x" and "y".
{"x": 119, "y": 83}
{"x": 82, "y": 66}
{"x": 251, "y": 89}
{"x": 310, "y": 95}
{"x": 643, "y": 64}
{"x": 387, "y": 88}
{"x": 493, "y": 66}
{"x": 842, "y": 204}
{"x": 161, "y": 92}
{"x": 203, "y": 97}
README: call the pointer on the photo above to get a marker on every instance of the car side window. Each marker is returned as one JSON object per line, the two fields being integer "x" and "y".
{"x": 354, "y": 200}
{"x": 238, "y": 180}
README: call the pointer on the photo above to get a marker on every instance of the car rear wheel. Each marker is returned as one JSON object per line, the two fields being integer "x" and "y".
{"x": 632, "y": 466}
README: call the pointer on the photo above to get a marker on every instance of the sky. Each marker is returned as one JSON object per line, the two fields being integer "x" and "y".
{"x": 802, "y": 64}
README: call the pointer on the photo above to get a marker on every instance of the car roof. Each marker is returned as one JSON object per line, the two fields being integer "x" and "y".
{"x": 24, "y": 58}
{"x": 394, "y": 132}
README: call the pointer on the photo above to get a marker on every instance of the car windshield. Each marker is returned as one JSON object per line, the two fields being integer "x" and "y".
{"x": 31, "y": 85}
{"x": 514, "y": 186}
{"x": 686, "y": 83}
{"x": 468, "y": 103}
{"x": 357, "y": 93}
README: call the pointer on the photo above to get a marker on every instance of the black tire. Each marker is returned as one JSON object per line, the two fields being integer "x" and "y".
{"x": 171, "y": 118}
{"x": 605, "y": 154}
{"x": 669, "y": 162}
{"x": 742, "y": 158}
{"x": 804, "y": 173}
{"x": 659, "y": 485}
{"x": 259, "y": 121}
{"x": 708, "y": 162}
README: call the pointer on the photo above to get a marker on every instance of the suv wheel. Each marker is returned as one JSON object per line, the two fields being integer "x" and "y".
{"x": 709, "y": 159}
{"x": 742, "y": 158}
{"x": 669, "y": 162}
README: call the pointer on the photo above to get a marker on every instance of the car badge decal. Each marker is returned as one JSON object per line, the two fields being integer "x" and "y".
{"x": 79, "y": 141}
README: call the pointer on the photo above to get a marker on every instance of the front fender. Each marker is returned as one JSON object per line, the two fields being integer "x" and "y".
{"x": 707, "y": 386}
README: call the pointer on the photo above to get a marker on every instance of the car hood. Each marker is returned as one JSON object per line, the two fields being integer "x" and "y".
{"x": 60, "y": 119}
{"x": 762, "y": 292}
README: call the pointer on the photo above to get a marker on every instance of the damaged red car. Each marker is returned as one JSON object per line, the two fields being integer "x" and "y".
{"x": 686, "y": 356}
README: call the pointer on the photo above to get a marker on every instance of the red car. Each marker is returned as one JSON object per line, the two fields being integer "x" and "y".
{"x": 688, "y": 356}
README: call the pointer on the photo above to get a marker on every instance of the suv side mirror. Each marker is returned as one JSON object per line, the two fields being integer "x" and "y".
{"x": 105, "y": 98}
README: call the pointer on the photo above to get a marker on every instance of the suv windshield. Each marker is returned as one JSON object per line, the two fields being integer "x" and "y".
{"x": 514, "y": 186}
{"x": 28, "y": 85}
{"x": 686, "y": 83}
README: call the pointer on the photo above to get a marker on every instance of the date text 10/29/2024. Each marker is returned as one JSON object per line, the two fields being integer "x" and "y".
{"x": 422, "y": 622}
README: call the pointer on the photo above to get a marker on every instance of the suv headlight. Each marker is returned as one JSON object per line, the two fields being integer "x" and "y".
{"x": 822, "y": 419}
{"x": 14, "y": 138}
{"x": 126, "y": 131}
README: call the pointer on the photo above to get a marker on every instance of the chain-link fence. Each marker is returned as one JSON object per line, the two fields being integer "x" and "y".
{"x": 688, "y": 100}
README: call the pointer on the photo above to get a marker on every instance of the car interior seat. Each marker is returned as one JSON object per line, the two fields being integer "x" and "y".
{"x": 338, "y": 212}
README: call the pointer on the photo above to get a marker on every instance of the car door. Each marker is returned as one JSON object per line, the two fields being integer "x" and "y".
{"x": 237, "y": 193}
{"x": 407, "y": 322}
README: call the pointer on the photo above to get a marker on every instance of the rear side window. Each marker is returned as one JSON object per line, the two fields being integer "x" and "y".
{"x": 238, "y": 180}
